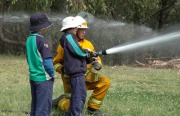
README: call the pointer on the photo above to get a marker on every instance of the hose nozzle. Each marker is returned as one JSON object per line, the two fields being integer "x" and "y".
{"x": 100, "y": 53}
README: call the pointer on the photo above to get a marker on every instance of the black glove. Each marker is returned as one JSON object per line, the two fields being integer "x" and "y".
{"x": 91, "y": 56}
{"x": 96, "y": 65}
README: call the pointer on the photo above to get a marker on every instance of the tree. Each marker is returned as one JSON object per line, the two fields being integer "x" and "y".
{"x": 155, "y": 14}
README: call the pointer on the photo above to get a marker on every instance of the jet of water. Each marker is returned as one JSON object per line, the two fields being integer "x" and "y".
{"x": 152, "y": 41}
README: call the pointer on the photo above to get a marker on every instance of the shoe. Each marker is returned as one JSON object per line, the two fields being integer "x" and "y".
{"x": 95, "y": 112}
{"x": 56, "y": 101}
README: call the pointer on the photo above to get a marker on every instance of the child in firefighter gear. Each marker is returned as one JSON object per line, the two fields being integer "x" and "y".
{"x": 41, "y": 68}
{"x": 74, "y": 66}
{"x": 94, "y": 81}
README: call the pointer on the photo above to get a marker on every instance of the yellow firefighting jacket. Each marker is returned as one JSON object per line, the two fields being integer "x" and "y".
{"x": 91, "y": 74}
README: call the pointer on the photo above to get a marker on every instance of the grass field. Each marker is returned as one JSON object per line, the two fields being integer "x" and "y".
{"x": 133, "y": 91}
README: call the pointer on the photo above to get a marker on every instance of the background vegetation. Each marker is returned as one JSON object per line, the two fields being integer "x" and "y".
{"x": 142, "y": 19}
{"x": 133, "y": 91}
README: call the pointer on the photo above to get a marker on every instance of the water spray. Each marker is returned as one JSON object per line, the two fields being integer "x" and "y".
{"x": 153, "y": 41}
{"x": 133, "y": 46}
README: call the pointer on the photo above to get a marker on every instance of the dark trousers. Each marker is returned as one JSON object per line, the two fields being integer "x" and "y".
{"x": 78, "y": 96}
{"x": 41, "y": 93}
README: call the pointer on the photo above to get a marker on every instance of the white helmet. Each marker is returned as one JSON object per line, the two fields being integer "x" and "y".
{"x": 82, "y": 22}
{"x": 69, "y": 22}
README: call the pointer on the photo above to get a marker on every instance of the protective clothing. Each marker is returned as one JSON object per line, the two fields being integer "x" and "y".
{"x": 94, "y": 81}
{"x": 82, "y": 23}
{"x": 96, "y": 65}
{"x": 69, "y": 22}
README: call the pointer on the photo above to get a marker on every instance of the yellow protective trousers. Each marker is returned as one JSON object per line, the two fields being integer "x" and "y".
{"x": 99, "y": 90}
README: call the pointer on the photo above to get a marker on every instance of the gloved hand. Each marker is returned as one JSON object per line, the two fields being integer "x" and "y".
{"x": 96, "y": 65}
{"x": 92, "y": 56}
{"x": 60, "y": 69}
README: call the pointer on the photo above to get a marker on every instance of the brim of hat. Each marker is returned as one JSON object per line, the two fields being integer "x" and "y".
{"x": 69, "y": 26}
{"x": 40, "y": 27}
{"x": 83, "y": 27}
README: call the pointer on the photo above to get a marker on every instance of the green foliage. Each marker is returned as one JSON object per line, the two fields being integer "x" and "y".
{"x": 154, "y": 13}
{"x": 58, "y": 6}
{"x": 30, "y": 5}
{"x": 132, "y": 10}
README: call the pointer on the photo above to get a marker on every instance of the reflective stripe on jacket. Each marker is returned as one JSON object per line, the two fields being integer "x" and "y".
{"x": 74, "y": 56}
{"x": 59, "y": 58}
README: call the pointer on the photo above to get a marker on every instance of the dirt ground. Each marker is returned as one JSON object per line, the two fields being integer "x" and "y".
{"x": 173, "y": 64}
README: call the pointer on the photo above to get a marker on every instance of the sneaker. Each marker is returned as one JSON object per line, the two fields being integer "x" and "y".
{"x": 95, "y": 112}
{"x": 56, "y": 101}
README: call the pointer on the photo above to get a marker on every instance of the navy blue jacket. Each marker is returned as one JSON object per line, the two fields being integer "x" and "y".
{"x": 74, "y": 56}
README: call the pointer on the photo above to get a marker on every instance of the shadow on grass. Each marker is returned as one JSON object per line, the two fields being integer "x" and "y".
{"x": 57, "y": 112}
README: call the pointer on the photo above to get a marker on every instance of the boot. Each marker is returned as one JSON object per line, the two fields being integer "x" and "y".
{"x": 56, "y": 101}
{"x": 95, "y": 112}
